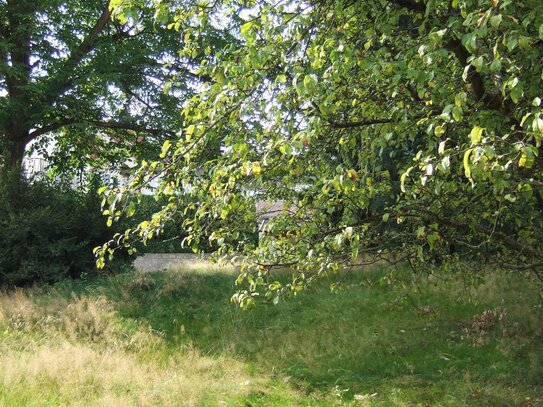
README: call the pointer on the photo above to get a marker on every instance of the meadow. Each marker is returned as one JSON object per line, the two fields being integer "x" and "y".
{"x": 173, "y": 338}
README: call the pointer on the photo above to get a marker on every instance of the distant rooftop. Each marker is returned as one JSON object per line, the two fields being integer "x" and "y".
{"x": 269, "y": 209}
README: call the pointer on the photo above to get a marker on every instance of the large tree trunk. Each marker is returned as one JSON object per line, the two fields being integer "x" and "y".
{"x": 20, "y": 14}
{"x": 15, "y": 153}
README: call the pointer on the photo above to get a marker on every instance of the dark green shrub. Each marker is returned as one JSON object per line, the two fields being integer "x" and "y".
{"x": 47, "y": 231}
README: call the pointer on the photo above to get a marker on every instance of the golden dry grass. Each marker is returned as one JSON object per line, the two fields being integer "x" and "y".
{"x": 78, "y": 375}
{"x": 75, "y": 352}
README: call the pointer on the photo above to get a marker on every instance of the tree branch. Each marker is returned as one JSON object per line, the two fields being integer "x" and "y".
{"x": 20, "y": 31}
{"x": 505, "y": 239}
{"x": 89, "y": 41}
{"x": 97, "y": 123}
{"x": 180, "y": 69}
{"x": 454, "y": 45}
{"x": 362, "y": 123}
{"x": 46, "y": 129}
{"x": 128, "y": 126}
{"x": 63, "y": 80}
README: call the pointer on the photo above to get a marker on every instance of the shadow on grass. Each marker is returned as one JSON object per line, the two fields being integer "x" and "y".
{"x": 368, "y": 339}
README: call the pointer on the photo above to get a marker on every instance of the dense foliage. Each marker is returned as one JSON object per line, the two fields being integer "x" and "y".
{"x": 398, "y": 129}
{"x": 84, "y": 89}
{"x": 47, "y": 232}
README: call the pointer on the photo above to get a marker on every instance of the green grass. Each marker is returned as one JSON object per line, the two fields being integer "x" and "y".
{"x": 173, "y": 338}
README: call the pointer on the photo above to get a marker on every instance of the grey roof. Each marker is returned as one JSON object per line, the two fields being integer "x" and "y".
{"x": 269, "y": 209}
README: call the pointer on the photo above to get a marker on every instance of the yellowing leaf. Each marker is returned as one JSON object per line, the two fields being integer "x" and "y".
{"x": 246, "y": 27}
{"x": 476, "y": 135}
{"x": 522, "y": 160}
{"x": 421, "y": 232}
{"x": 403, "y": 178}
{"x": 352, "y": 175}
{"x": 439, "y": 131}
{"x": 527, "y": 158}
{"x": 165, "y": 147}
{"x": 256, "y": 169}
{"x": 467, "y": 169}
{"x": 190, "y": 130}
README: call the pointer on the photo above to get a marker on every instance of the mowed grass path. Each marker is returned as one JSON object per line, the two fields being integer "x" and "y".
{"x": 173, "y": 339}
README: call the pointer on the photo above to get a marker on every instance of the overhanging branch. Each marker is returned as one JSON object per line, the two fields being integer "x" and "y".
{"x": 98, "y": 123}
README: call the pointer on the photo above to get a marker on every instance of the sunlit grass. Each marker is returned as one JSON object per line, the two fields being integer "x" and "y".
{"x": 173, "y": 338}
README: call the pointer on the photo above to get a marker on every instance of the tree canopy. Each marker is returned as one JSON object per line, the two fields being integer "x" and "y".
{"x": 95, "y": 88}
{"x": 399, "y": 129}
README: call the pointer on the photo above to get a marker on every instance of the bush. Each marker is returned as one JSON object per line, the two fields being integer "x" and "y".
{"x": 47, "y": 231}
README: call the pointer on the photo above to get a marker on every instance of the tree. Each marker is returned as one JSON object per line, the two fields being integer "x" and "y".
{"x": 403, "y": 129}
{"x": 99, "y": 89}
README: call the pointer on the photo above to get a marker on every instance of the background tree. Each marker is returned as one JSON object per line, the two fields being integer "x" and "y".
{"x": 100, "y": 89}
{"x": 406, "y": 130}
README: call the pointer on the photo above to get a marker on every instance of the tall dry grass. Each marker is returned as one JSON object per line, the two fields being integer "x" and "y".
{"x": 58, "y": 351}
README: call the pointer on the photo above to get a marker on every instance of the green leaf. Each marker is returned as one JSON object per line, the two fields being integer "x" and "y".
{"x": 516, "y": 94}
{"x": 511, "y": 42}
{"x": 299, "y": 85}
{"x": 537, "y": 124}
{"x": 131, "y": 210}
{"x": 478, "y": 63}
{"x": 457, "y": 113}
{"x": 441, "y": 148}
{"x": 310, "y": 83}
{"x": 496, "y": 66}
{"x": 496, "y": 20}
{"x": 470, "y": 42}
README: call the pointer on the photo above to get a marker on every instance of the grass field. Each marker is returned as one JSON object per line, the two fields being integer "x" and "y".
{"x": 173, "y": 339}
